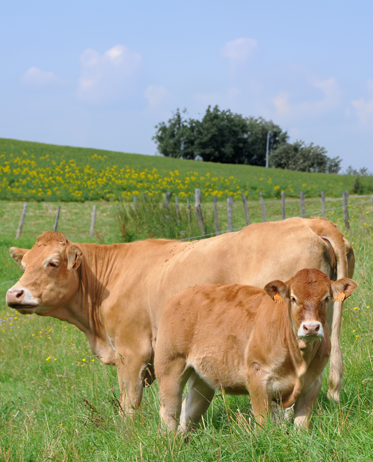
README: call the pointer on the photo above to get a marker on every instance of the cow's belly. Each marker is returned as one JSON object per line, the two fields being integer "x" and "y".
{"x": 221, "y": 370}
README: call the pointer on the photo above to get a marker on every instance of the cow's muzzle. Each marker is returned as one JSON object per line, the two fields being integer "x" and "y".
{"x": 20, "y": 299}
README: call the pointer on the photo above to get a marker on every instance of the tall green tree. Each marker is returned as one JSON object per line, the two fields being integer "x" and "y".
{"x": 221, "y": 136}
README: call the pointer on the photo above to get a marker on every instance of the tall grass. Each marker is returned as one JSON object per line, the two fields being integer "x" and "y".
{"x": 151, "y": 219}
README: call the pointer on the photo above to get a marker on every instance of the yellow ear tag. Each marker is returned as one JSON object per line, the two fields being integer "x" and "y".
{"x": 340, "y": 297}
{"x": 278, "y": 299}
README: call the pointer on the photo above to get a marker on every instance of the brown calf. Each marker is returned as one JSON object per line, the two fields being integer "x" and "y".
{"x": 240, "y": 339}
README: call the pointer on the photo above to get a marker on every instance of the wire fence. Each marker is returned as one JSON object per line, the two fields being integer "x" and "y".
{"x": 319, "y": 212}
{"x": 206, "y": 235}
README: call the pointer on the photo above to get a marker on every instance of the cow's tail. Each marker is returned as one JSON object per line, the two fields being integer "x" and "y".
{"x": 338, "y": 245}
{"x": 345, "y": 268}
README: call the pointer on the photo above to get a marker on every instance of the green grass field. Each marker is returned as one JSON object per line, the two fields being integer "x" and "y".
{"x": 58, "y": 403}
{"x": 42, "y": 172}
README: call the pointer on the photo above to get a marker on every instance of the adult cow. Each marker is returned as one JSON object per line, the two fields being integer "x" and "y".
{"x": 239, "y": 339}
{"x": 115, "y": 293}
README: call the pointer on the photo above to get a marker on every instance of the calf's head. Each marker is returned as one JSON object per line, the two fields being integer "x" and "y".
{"x": 308, "y": 294}
{"x": 50, "y": 278}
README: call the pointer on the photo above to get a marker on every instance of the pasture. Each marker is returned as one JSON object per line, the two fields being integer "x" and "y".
{"x": 59, "y": 403}
{"x": 42, "y": 172}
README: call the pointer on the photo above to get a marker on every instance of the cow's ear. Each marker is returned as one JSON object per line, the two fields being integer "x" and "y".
{"x": 278, "y": 291}
{"x": 74, "y": 256}
{"x": 18, "y": 254}
{"x": 343, "y": 288}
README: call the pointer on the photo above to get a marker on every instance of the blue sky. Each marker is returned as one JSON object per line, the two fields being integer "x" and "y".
{"x": 103, "y": 74}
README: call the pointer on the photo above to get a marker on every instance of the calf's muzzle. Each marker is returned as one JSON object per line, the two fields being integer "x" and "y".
{"x": 311, "y": 329}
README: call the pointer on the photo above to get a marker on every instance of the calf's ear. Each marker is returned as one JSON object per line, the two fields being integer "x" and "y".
{"x": 18, "y": 254}
{"x": 278, "y": 291}
{"x": 343, "y": 288}
{"x": 74, "y": 256}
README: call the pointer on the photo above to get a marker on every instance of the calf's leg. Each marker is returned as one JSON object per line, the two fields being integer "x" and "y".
{"x": 260, "y": 399}
{"x": 304, "y": 404}
{"x": 172, "y": 377}
{"x": 196, "y": 403}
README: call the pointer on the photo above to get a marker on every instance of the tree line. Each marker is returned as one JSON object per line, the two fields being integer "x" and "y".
{"x": 225, "y": 137}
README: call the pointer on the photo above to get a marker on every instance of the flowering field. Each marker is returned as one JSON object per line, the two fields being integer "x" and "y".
{"x": 40, "y": 172}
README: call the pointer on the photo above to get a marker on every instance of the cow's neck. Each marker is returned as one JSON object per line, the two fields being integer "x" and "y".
{"x": 94, "y": 273}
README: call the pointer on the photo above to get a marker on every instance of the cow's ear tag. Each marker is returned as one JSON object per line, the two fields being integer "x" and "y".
{"x": 340, "y": 297}
{"x": 278, "y": 299}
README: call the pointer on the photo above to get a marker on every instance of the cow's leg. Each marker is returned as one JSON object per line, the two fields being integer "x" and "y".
{"x": 304, "y": 404}
{"x": 172, "y": 377}
{"x": 196, "y": 403}
{"x": 132, "y": 368}
{"x": 260, "y": 399}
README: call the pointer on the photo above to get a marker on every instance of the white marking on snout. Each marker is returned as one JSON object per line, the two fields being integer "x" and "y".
{"x": 311, "y": 330}
{"x": 28, "y": 299}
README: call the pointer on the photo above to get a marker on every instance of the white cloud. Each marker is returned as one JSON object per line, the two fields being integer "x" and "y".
{"x": 155, "y": 94}
{"x": 363, "y": 110}
{"x": 35, "y": 77}
{"x": 331, "y": 96}
{"x": 240, "y": 49}
{"x": 108, "y": 76}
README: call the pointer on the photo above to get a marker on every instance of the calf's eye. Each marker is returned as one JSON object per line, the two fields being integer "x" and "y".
{"x": 53, "y": 264}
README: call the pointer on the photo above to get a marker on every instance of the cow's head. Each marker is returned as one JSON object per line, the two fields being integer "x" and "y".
{"x": 308, "y": 294}
{"x": 50, "y": 278}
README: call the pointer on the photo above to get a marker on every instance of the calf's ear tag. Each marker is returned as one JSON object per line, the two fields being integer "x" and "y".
{"x": 340, "y": 297}
{"x": 278, "y": 299}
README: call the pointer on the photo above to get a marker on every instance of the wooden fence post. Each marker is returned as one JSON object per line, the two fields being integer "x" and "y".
{"x": 244, "y": 201}
{"x": 177, "y": 209}
{"x": 302, "y": 207}
{"x": 197, "y": 204}
{"x": 230, "y": 213}
{"x": 323, "y": 203}
{"x": 93, "y": 219}
{"x": 283, "y": 205}
{"x": 135, "y": 204}
{"x": 167, "y": 197}
{"x": 345, "y": 209}
{"x": 217, "y": 229}
{"x": 263, "y": 207}
{"x": 22, "y": 220}
{"x": 57, "y": 218}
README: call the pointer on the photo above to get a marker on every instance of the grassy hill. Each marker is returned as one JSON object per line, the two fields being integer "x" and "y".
{"x": 43, "y": 172}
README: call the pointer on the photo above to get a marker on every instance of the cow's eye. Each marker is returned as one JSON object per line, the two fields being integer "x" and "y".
{"x": 293, "y": 299}
{"x": 53, "y": 264}
{"x": 327, "y": 300}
